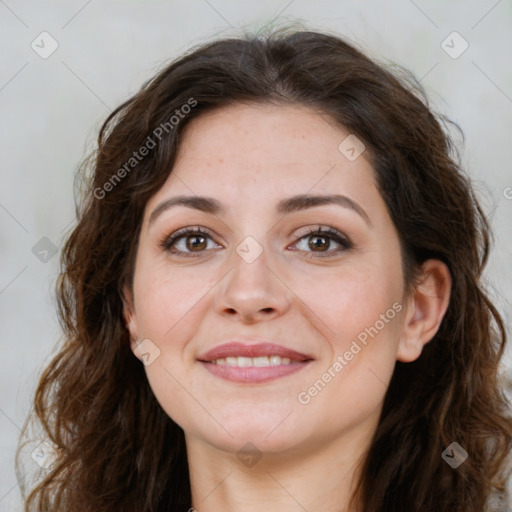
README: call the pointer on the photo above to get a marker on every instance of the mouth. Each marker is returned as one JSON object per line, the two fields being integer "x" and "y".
{"x": 253, "y": 363}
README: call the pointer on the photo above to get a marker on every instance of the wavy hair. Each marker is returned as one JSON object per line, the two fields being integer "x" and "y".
{"x": 117, "y": 448}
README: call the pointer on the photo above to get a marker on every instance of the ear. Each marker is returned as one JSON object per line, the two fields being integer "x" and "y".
{"x": 129, "y": 316}
{"x": 425, "y": 310}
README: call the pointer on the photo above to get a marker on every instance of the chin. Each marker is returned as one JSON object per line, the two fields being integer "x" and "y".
{"x": 249, "y": 440}
{"x": 266, "y": 433}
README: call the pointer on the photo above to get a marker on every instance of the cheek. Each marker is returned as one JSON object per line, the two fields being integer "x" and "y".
{"x": 170, "y": 304}
{"x": 360, "y": 311}
{"x": 364, "y": 328}
{"x": 350, "y": 302}
{"x": 168, "y": 300}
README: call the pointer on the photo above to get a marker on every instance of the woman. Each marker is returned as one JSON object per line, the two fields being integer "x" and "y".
{"x": 273, "y": 299}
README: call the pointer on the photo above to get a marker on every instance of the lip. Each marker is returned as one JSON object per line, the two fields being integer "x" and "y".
{"x": 253, "y": 374}
{"x": 237, "y": 349}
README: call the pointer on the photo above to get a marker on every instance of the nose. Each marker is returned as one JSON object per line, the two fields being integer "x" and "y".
{"x": 252, "y": 290}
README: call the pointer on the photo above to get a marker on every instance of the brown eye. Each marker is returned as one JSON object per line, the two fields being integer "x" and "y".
{"x": 188, "y": 242}
{"x": 194, "y": 242}
{"x": 319, "y": 241}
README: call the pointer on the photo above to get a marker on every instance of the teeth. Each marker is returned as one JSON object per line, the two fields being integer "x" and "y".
{"x": 244, "y": 362}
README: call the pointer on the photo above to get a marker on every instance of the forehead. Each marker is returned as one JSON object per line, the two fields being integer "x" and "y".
{"x": 249, "y": 153}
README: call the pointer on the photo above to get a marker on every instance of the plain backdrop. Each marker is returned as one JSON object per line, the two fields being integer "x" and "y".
{"x": 52, "y": 105}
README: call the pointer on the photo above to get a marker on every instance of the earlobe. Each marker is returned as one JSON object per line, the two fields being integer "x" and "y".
{"x": 425, "y": 310}
{"x": 130, "y": 319}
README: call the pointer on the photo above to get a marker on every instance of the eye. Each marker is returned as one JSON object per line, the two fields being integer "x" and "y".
{"x": 191, "y": 242}
{"x": 187, "y": 241}
{"x": 319, "y": 240}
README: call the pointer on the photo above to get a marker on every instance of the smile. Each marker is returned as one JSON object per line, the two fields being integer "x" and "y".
{"x": 246, "y": 362}
{"x": 253, "y": 363}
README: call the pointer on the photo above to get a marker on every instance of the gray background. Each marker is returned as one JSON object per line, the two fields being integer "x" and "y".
{"x": 52, "y": 108}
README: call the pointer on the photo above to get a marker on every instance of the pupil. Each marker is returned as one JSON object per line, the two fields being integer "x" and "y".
{"x": 199, "y": 245}
{"x": 317, "y": 245}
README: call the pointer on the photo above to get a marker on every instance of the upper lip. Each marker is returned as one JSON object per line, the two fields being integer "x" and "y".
{"x": 238, "y": 349}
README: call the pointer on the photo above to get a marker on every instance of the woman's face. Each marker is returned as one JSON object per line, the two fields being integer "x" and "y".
{"x": 260, "y": 273}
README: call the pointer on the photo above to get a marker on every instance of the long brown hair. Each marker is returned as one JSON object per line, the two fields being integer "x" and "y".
{"x": 117, "y": 448}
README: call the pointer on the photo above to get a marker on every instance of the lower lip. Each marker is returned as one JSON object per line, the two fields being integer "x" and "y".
{"x": 253, "y": 374}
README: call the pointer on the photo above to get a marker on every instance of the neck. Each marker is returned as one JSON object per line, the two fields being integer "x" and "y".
{"x": 320, "y": 477}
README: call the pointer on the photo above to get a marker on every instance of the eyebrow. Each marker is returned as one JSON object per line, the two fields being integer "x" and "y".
{"x": 284, "y": 207}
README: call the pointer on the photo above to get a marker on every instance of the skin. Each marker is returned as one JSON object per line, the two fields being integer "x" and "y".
{"x": 249, "y": 157}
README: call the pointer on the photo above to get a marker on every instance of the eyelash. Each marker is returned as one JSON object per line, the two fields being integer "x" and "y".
{"x": 328, "y": 233}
